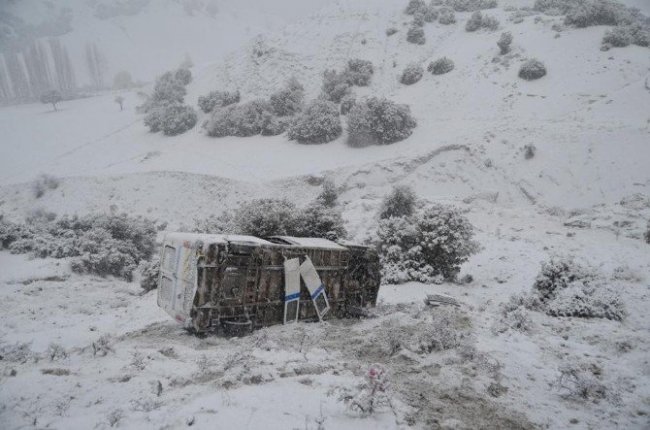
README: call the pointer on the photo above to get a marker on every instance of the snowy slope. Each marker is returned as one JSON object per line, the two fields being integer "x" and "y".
{"x": 589, "y": 119}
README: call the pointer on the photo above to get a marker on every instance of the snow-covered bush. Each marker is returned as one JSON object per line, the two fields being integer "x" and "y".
{"x": 566, "y": 288}
{"x": 317, "y": 220}
{"x": 414, "y": 6}
{"x": 529, "y": 151}
{"x": 561, "y": 6}
{"x": 43, "y": 183}
{"x": 430, "y": 14}
{"x": 418, "y": 19}
{"x": 446, "y": 330}
{"x": 445, "y": 239}
{"x": 514, "y": 315}
{"x": 347, "y": 102}
{"x": 504, "y": 42}
{"x": 478, "y": 20}
{"x": 427, "y": 247}
{"x": 11, "y": 232}
{"x": 164, "y": 108}
{"x": 390, "y": 31}
{"x": 379, "y": 121}
{"x": 359, "y": 72}
{"x": 320, "y": 122}
{"x": 51, "y": 97}
{"x": 243, "y": 120}
{"x": 618, "y": 37}
{"x": 273, "y": 125}
{"x": 532, "y": 69}
{"x": 412, "y": 74}
{"x": 416, "y": 35}
{"x": 100, "y": 244}
{"x": 471, "y": 5}
{"x": 598, "y": 12}
{"x": 335, "y": 85}
{"x": 446, "y": 16}
{"x": 183, "y": 75}
{"x": 288, "y": 101}
{"x": 168, "y": 89}
{"x": 149, "y": 272}
{"x": 328, "y": 196}
{"x": 441, "y": 66}
{"x": 17, "y": 353}
{"x": 624, "y": 35}
{"x": 177, "y": 119}
{"x": 400, "y": 202}
{"x": 474, "y": 21}
{"x": 266, "y": 217}
{"x": 216, "y": 99}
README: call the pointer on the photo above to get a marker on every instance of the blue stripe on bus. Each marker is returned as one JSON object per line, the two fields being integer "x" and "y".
{"x": 318, "y": 291}
{"x": 291, "y": 297}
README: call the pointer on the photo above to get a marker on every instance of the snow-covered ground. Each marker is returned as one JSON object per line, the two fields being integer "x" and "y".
{"x": 120, "y": 361}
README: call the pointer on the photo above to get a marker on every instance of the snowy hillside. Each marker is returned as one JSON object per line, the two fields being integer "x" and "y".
{"x": 547, "y": 167}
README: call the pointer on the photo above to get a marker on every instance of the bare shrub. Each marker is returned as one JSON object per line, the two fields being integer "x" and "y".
{"x": 372, "y": 395}
{"x": 532, "y": 69}
{"x": 114, "y": 417}
{"x": 17, "y": 353}
{"x": 43, "y": 183}
{"x": 441, "y": 66}
{"x": 581, "y": 382}
{"x": 514, "y": 315}
{"x": 56, "y": 352}
{"x": 416, "y": 35}
{"x": 102, "y": 346}
{"x": 412, "y": 74}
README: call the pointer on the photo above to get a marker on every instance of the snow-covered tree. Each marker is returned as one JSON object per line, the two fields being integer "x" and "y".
{"x": 471, "y": 5}
{"x": 96, "y": 63}
{"x": 266, "y": 217}
{"x": 347, "y": 102}
{"x": 320, "y": 122}
{"x": 400, "y": 202}
{"x": 412, "y": 74}
{"x": 51, "y": 97}
{"x": 428, "y": 246}
{"x": 379, "y": 121}
{"x": 317, "y": 220}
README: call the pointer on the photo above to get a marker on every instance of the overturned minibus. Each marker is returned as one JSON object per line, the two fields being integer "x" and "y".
{"x": 234, "y": 283}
